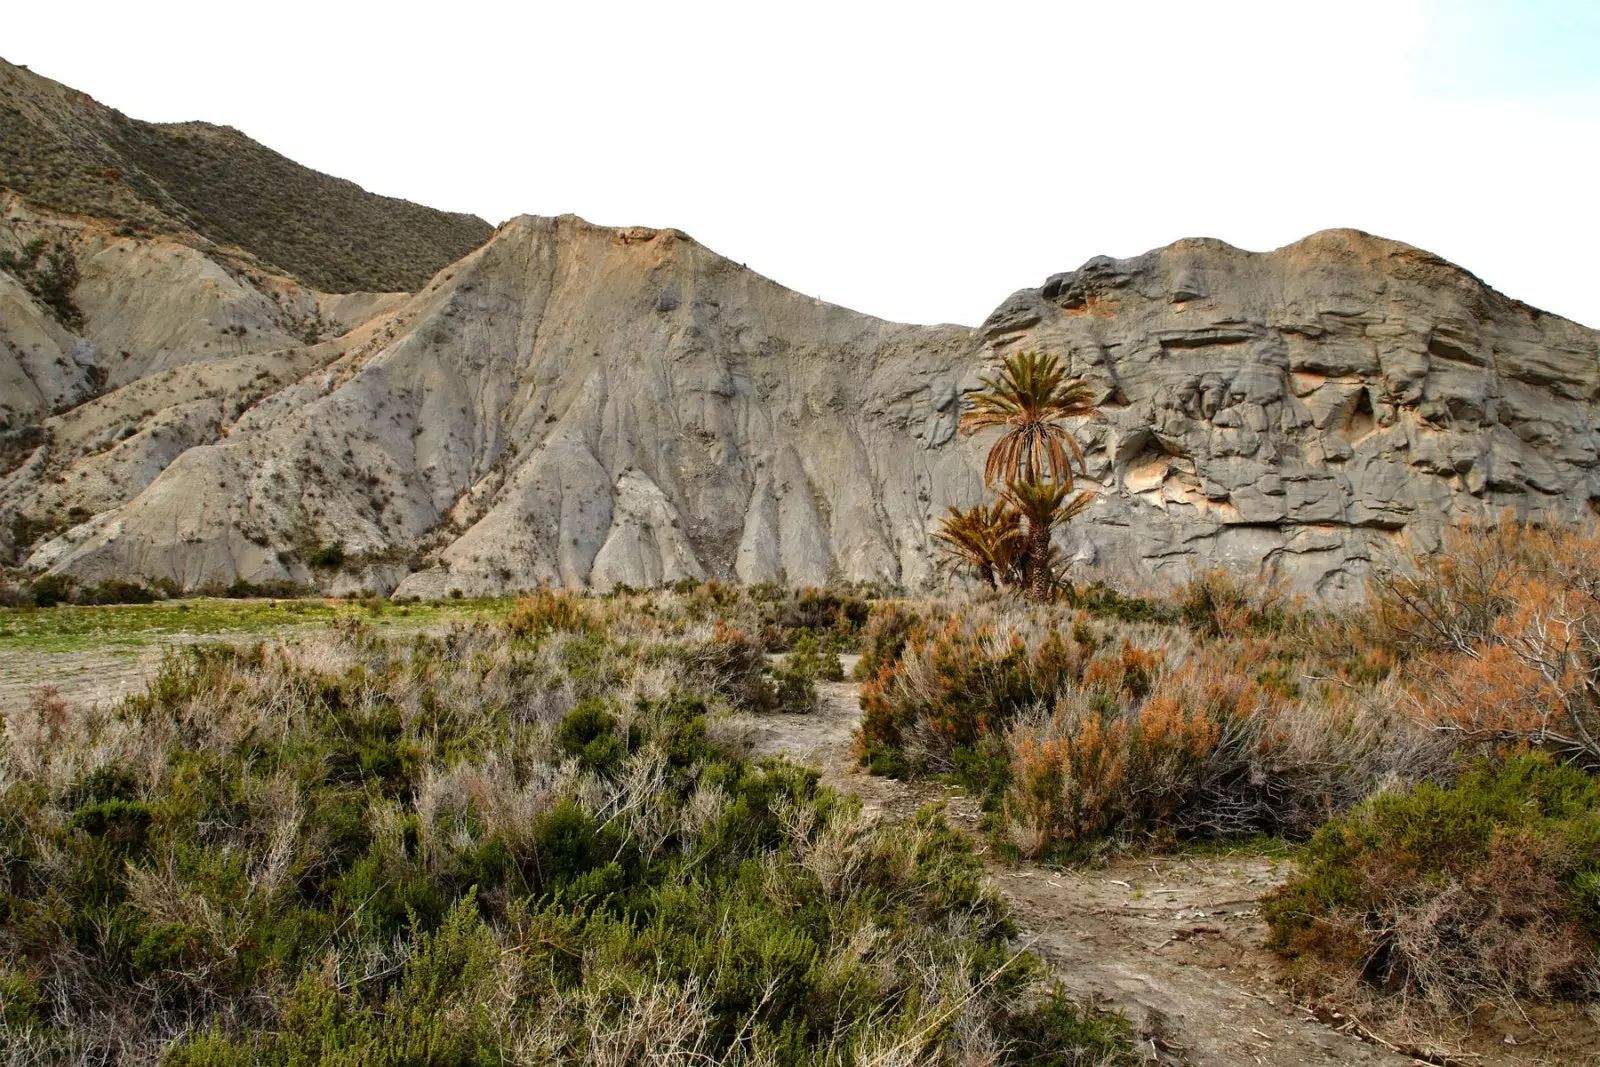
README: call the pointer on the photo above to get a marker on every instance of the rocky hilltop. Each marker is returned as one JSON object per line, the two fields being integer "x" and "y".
{"x": 595, "y": 406}
{"x": 1311, "y": 410}
{"x": 69, "y": 154}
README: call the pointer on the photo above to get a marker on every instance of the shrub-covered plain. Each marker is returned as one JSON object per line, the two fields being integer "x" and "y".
{"x": 532, "y": 841}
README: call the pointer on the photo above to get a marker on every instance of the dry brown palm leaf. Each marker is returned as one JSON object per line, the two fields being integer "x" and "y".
{"x": 1028, "y": 399}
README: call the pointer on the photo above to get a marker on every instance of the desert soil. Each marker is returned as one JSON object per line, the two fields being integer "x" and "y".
{"x": 1174, "y": 943}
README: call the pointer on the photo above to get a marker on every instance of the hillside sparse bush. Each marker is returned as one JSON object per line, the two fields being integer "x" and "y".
{"x": 49, "y": 272}
{"x": 328, "y": 557}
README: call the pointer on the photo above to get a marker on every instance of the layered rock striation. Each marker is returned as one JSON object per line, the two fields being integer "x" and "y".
{"x": 1314, "y": 410}
{"x": 591, "y": 406}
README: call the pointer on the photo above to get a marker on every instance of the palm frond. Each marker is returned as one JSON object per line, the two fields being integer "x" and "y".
{"x": 1028, "y": 399}
{"x": 986, "y": 539}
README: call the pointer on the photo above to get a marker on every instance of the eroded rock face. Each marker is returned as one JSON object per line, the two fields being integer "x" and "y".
{"x": 1311, "y": 410}
{"x": 584, "y": 406}
{"x": 590, "y": 407}
{"x": 176, "y": 340}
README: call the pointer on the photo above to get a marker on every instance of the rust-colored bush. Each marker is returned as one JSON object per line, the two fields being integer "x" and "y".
{"x": 1128, "y": 753}
{"x": 1500, "y": 634}
{"x": 954, "y": 685}
{"x": 547, "y": 610}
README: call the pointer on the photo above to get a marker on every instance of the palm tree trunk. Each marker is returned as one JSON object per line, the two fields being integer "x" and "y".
{"x": 1038, "y": 562}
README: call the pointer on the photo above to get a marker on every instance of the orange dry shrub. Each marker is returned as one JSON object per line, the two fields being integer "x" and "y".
{"x": 1502, "y": 636}
{"x": 1064, "y": 787}
{"x": 1175, "y": 757}
{"x": 1131, "y": 670}
{"x": 546, "y": 610}
{"x": 1491, "y": 694}
{"x": 1457, "y": 597}
{"x": 954, "y": 685}
{"x": 1108, "y": 763}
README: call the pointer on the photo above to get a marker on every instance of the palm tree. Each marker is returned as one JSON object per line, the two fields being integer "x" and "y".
{"x": 1045, "y": 505}
{"x": 1029, "y": 398}
{"x": 986, "y": 538}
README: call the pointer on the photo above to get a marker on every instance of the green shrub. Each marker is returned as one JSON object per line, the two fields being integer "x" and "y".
{"x": 385, "y": 852}
{"x": 116, "y": 591}
{"x": 20, "y": 1001}
{"x": 589, "y": 732}
{"x": 51, "y": 275}
{"x": 1101, "y": 600}
{"x": 51, "y": 589}
{"x": 794, "y": 680}
{"x": 1452, "y": 896}
{"x": 888, "y": 629}
{"x": 786, "y": 614}
{"x": 328, "y": 557}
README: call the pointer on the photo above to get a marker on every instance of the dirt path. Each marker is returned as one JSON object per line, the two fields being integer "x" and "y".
{"x": 1173, "y": 943}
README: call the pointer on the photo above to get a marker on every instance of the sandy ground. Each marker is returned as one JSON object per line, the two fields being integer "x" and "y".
{"x": 1174, "y": 943}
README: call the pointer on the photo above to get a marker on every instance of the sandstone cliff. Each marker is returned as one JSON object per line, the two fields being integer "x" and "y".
{"x": 1311, "y": 409}
{"x": 593, "y": 406}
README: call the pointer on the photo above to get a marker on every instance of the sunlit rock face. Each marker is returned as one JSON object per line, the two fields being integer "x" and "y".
{"x": 590, "y": 407}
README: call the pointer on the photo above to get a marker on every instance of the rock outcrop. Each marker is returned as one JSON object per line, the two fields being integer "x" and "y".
{"x": 591, "y": 406}
{"x": 1312, "y": 410}
{"x": 171, "y": 341}
{"x": 579, "y": 405}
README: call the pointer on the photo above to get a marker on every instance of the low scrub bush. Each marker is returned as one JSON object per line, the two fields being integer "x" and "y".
{"x": 786, "y": 614}
{"x": 329, "y": 557}
{"x": 122, "y": 591}
{"x": 507, "y": 843}
{"x": 1499, "y": 636}
{"x": 955, "y": 684}
{"x": 889, "y": 627}
{"x": 1488, "y": 890}
{"x": 546, "y": 611}
{"x": 1083, "y": 732}
{"x": 1217, "y": 604}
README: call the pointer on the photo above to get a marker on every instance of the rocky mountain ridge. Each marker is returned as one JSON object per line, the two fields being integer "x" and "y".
{"x": 66, "y": 153}
{"x": 593, "y": 406}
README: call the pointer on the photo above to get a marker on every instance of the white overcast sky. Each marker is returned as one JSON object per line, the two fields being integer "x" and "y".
{"x": 916, "y": 161}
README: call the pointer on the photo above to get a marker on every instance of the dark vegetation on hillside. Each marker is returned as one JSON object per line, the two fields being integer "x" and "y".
{"x": 63, "y": 151}
{"x": 50, "y": 273}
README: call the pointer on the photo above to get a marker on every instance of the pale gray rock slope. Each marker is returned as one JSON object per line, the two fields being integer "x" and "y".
{"x": 591, "y": 406}
{"x": 178, "y": 339}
